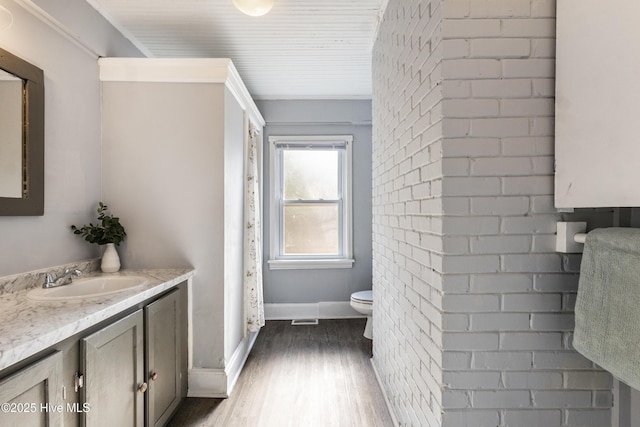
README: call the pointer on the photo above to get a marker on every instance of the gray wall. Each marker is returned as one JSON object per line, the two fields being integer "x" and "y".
{"x": 164, "y": 172}
{"x": 407, "y": 214}
{"x": 94, "y": 31}
{"x": 323, "y": 118}
{"x": 234, "y": 188}
{"x": 176, "y": 174}
{"x": 72, "y": 138}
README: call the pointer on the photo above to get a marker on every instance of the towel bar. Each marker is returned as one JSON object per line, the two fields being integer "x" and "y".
{"x": 570, "y": 236}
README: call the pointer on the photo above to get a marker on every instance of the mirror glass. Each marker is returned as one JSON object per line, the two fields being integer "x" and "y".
{"x": 21, "y": 137}
{"x": 11, "y": 136}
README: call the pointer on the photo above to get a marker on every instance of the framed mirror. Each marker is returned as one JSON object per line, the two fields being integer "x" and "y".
{"x": 21, "y": 137}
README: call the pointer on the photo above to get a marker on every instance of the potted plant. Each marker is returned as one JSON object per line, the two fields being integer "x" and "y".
{"x": 108, "y": 232}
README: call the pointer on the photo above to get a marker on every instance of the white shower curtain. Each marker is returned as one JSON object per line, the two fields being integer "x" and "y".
{"x": 252, "y": 236}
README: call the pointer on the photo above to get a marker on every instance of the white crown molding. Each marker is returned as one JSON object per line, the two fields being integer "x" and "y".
{"x": 181, "y": 70}
{"x": 56, "y": 25}
{"x": 165, "y": 70}
{"x": 343, "y": 97}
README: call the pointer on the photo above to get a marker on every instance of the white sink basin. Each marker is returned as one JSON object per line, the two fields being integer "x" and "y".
{"x": 87, "y": 287}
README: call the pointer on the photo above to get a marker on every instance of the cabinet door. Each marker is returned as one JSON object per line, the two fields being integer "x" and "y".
{"x": 33, "y": 395}
{"x": 163, "y": 358}
{"x": 113, "y": 368}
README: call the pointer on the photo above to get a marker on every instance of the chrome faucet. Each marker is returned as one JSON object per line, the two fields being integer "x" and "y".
{"x": 51, "y": 281}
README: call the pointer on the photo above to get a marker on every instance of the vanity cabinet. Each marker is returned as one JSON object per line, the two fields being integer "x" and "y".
{"x": 164, "y": 358}
{"x": 117, "y": 360}
{"x": 113, "y": 372}
{"x": 133, "y": 367}
{"x": 33, "y": 395}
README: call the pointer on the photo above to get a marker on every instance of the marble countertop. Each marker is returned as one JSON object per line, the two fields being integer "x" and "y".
{"x": 27, "y": 327}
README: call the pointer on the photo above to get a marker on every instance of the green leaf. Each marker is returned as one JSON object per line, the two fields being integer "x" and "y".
{"x": 108, "y": 230}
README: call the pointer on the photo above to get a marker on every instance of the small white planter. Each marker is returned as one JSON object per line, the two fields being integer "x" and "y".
{"x": 110, "y": 259}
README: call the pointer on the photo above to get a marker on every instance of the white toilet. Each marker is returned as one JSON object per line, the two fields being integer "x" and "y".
{"x": 362, "y": 302}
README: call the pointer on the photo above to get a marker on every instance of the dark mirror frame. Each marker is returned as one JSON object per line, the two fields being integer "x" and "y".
{"x": 33, "y": 137}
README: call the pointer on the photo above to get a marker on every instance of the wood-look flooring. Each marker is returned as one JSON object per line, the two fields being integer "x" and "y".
{"x": 311, "y": 376}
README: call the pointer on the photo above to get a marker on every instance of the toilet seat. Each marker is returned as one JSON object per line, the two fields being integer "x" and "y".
{"x": 363, "y": 297}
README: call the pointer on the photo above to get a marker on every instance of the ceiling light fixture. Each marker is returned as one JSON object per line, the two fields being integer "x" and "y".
{"x": 6, "y": 18}
{"x": 254, "y": 7}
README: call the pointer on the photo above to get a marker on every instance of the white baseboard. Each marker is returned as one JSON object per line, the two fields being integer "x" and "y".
{"x": 237, "y": 361}
{"x": 320, "y": 310}
{"x": 207, "y": 382}
{"x": 219, "y": 382}
{"x": 394, "y": 420}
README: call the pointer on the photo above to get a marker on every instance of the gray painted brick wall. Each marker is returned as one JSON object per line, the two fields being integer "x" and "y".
{"x": 473, "y": 307}
{"x": 407, "y": 211}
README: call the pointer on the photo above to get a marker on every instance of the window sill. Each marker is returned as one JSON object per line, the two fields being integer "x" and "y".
{"x": 309, "y": 264}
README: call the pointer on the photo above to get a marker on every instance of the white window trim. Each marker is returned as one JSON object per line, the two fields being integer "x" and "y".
{"x": 346, "y": 261}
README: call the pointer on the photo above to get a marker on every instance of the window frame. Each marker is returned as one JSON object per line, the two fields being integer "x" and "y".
{"x": 278, "y": 260}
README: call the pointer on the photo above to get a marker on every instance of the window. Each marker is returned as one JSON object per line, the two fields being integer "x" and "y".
{"x": 311, "y": 202}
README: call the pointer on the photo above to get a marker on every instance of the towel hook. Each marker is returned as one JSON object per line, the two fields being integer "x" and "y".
{"x": 570, "y": 236}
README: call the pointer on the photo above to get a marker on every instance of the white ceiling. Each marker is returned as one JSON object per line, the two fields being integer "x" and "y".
{"x": 302, "y": 49}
